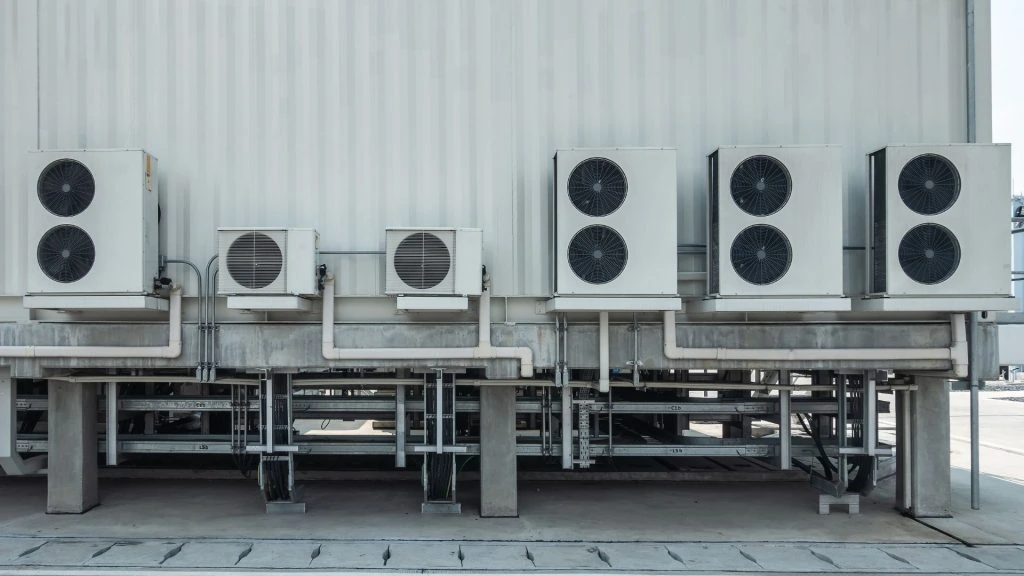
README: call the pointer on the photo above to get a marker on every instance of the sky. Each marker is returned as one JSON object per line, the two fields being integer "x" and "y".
{"x": 1008, "y": 82}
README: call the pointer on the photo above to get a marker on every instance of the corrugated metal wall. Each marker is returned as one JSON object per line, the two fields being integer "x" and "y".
{"x": 351, "y": 116}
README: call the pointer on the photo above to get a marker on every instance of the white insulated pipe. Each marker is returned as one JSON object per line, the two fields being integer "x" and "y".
{"x": 172, "y": 350}
{"x": 483, "y": 350}
{"x": 956, "y": 353}
{"x": 603, "y": 363}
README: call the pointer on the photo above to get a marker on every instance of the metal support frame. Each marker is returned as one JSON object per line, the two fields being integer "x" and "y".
{"x": 441, "y": 450}
{"x": 277, "y": 448}
{"x": 400, "y": 424}
{"x": 567, "y": 428}
{"x": 10, "y": 460}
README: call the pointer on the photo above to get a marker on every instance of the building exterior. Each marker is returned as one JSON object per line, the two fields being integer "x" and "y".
{"x": 353, "y": 117}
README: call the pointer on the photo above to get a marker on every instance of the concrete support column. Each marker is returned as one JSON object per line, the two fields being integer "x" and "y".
{"x": 931, "y": 494}
{"x": 498, "y": 488}
{"x": 72, "y": 479}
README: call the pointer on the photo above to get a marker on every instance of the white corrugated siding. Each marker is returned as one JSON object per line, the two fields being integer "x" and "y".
{"x": 352, "y": 116}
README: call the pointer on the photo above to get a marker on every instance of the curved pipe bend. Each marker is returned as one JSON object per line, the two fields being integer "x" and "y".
{"x": 956, "y": 353}
{"x": 483, "y": 350}
{"x": 172, "y": 350}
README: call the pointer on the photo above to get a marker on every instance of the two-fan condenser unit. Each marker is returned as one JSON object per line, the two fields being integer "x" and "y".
{"x": 268, "y": 268}
{"x": 775, "y": 230}
{"x": 937, "y": 228}
{"x": 433, "y": 268}
{"x": 93, "y": 227}
{"x": 615, "y": 230}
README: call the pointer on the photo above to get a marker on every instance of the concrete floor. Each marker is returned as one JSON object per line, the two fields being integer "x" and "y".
{"x": 584, "y": 527}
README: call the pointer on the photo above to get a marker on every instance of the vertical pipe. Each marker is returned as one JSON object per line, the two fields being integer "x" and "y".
{"x": 975, "y": 416}
{"x": 111, "y": 423}
{"x": 841, "y": 428}
{"x": 268, "y": 397}
{"x": 869, "y": 426}
{"x": 439, "y": 410}
{"x": 400, "y": 426}
{"x": 785, "y": 425}
{"x": 566, "y": 426}
{"x": 603, "y": 363}
{"x": 485, "y": 316}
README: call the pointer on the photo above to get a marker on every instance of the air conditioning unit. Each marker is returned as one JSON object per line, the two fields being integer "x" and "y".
{"x": 268, "y": 268}
{"x": 93, "y": 230}
{"x": 937, "y": 228}
{"x": 615, "y": 230}
{"x": 775, "y": 230}
{"x": 433, "y": 268}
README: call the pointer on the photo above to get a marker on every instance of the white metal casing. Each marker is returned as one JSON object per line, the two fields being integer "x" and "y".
{"x": 464, "y": 261}
{"x": 121, "y": 220}
{"x": 297, "y": 248}
{"x": 646, "y": 220}
{"x": 810, "y": 219}
{"x": 977, "y": 220}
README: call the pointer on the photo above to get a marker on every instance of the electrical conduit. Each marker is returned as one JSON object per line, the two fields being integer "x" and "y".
{"x": 172, "y": 350}
{"x": 483, "y": 350}
{"x": 956, "y": 353}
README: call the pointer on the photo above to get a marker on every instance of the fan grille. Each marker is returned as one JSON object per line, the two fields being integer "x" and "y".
{"x": 66, "y": 187}
{"x": 760, "y": 185}
{"x": 597, "y": 254}
{"x": 929, "y": 253}
{"x": 422, "y": 260}
{"x": 929, "y": 184}
{"x": 66, "y": 253}
{"x": 761, "y": 254}
{"x": 597, "y": 187}
{"x": 254, "y": 260}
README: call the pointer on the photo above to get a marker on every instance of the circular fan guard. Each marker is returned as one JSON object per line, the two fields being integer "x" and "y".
{"x": 597, "y": 254}
{"x": 597, "y": 187}
{"x": 929, "y": 184}
{"x": 422, "y": 260}
{"x": 929, "y": 253}
{"x": 65, "y": 253}
{"x": 254, "y": 260}
{"x": 761, "y": 254}
{"x": 760, "y": 185}
{"x": 66, "y": 188}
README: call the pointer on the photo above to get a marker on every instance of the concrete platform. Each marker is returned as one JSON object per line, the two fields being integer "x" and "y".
{"x": 549, "y": 512}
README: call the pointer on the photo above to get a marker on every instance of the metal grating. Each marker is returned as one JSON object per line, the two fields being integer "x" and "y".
{"x": 761, "y": 185}
{"x": 422, "y": 260}
{"x": 66, "y": 253}
{"x": 761, "y": 254}
{"x": 929, "y": 253}
{"x": 929, "y": 184}
{"x": 597, "y": 254}
{"x": 597, "y": 187}
{"x": 879, "y": 234}
{"x": 66, "y": 188}
{"x": 254, "y": 260}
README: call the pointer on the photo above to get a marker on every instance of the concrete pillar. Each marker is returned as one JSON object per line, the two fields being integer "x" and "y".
{"x": 931, "y": 494}
{"x": 72, "y": 479}
{"x": 498, "y": 489}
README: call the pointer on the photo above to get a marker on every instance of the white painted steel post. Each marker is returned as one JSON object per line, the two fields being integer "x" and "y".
{"x": 111, "y": 423}
{"x": 400, "y": 426}
{"x": 785, "y": 424}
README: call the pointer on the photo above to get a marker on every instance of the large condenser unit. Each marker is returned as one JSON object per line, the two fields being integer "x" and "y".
{"x": 93, "y": 227}
{"x": 937, "y": 230}
{"x": 775, "y": 230}
{"x": 615, "y": 230}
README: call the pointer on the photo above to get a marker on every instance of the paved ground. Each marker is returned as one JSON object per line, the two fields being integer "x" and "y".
{"x": 24, "y": 554}
{"x": 193, "y": 527}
